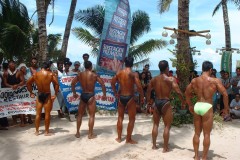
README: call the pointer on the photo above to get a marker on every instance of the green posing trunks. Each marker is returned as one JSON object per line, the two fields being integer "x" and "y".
{"x": 200, "y": 108}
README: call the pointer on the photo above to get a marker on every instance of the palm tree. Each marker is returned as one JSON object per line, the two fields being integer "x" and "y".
{"x": 68, "y": 28}
{"x": 53, "y": 41}
{"x": 184, "y": 57}
{"x": 223, "y": 4}
{"x": 42, "y": 29}
{"x": 15, "y": 29}
{"x": 93, "y": 18}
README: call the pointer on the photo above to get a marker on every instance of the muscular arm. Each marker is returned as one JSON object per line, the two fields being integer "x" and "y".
{"x": 177, "y": 90}
{"x": 102, "y": 84}
{"x": 29, "y": 84}
{"x": 223, "y": 91}
{"x": 149, "y": 89}
{"x": 188, "y": 94}
{"x": 113, "y": 84}
{"x": 139, "y": 86}
{"x": 74, "y": 81}
{"x": 55, "y": 84}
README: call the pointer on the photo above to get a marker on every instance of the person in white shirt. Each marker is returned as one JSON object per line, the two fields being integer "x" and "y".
{"x": 235, "y": 106}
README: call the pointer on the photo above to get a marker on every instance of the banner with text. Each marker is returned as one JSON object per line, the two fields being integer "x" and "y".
{"x": 226, "y": 62}
{"x": 13, "y": 102}
{"x": 72, "y": 103}
{"x": 17, "y": 101}
{"x": 115, "y": 38}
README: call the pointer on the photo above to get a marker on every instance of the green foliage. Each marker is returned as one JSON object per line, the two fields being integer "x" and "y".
{"x": 180, "y": 119}
{"x": 93, "y": 18}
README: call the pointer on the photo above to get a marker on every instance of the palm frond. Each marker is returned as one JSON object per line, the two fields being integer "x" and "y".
{"x": 85, "y": 36}
{"x": 140, "y": 25}
{"x": 146, "y": 48}
{"x": 141, "y": 63}
{"x": 92, "y": 17}
{"x": 237, "y": 3}
{"x": 164, "y": 5}
{"x": 217, "y": 8}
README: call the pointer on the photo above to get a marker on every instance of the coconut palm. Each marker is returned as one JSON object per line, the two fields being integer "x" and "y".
{"x": 42, "y": 29}
{"x": 184, "y": 57}
{"x": 68, "y": 28}
{"x": 223, "y": 4}
{"x": 93, "y": 19}
{"x": 15, "y": 29}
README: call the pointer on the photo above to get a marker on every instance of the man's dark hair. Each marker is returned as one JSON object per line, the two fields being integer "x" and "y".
{"x": 163, "y": 65}
{"x": 59, "y": 62}
{"x": 237, "y": 94}
{"x": 147, "y": 65}
{"x": 11, "y": 61}
{"x": 171, "y": 71}
{"x": 206, "y": 66}
{"x": 238, "y": 68}
{"x": 34, "y": 58}
{"x": 129, "y": 61}
{"x": 87, "y": 64}
{"x": 85, "y": 54}
{"x": 222, "y": 71}
{"x": 46, "y": 65}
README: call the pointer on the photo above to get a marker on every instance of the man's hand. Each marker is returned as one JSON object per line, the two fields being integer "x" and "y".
{"x": 183, "y": 105}
{"x": 75, "y": 95}
{"x": 32, "y": 95}
{"x": 116, "y": 95}
{"x": 14, "y": 87}
{"x": 53, "y": 97}
{"x": 191, "y": 109}
{"x": 104, "y": 98}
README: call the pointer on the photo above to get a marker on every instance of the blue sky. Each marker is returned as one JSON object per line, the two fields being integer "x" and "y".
{"x": 200, "y": 19}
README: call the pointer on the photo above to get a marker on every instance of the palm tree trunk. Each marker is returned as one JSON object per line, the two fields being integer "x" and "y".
{"x": 184, "y": 61}
{"x": 42, "y": 30}
{"x": 68, "y": 28}
{"x": 226, "y": 25}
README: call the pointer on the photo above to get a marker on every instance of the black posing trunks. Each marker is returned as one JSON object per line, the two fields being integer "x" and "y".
{"x": 42, "y": 97}
{"x": 125, "y": 99}
{"x": 86, "y": 96}
{"x": 160, "y": 103}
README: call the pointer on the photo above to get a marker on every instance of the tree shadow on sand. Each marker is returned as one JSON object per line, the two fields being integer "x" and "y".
{"x": 211, "y": 154}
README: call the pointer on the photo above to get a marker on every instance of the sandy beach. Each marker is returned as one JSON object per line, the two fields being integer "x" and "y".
{"x": 21, "y": 144}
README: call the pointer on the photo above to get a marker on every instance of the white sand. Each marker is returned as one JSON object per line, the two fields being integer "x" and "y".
{"x": 21, "y": 144}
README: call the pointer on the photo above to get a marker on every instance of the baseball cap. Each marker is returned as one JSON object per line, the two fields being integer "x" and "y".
{"x": 76, "y": 63}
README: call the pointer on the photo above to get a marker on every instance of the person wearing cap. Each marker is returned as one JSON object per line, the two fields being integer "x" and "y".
{"x": 67, "y": 65}
{"x": 76, "y": 69}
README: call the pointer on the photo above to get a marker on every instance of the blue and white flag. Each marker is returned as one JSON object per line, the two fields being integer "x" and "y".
{"x": 115, "y": 39}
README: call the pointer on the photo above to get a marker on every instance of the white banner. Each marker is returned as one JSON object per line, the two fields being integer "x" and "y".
{"x": 13, "y": 102}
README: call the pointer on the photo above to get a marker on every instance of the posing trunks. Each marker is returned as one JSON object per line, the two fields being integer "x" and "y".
{"x": 42, "y": 97}
{"x": 200, "y": 108}
{"x": 160, "y": 103}
{"x": 86, "y": 96}
{"x": 125, "y": 99}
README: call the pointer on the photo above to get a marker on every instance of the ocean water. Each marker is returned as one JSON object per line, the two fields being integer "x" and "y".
{"x": 157, "y": 72}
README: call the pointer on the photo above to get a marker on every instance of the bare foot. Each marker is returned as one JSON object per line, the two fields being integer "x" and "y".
{"x": 92, "y": 136}
{"x": 118, "y": 140}
{"x": 131, "y": 141}
{"x": 36, "y": 133}
{"x": 154, "y": 147}
{"x": 48, "y": 134}
{"x": 77, "y": 135}
{"x": 196, "y": 158}
{"x": 165, "y": 150}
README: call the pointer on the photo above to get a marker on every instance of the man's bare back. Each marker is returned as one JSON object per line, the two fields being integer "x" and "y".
{"x": 163, "y": 86}
{"x": 204, "y": 88}
{"x": 126, "y": 79}
{"x": 43, "y": 79}
{"x": 87, "y": 80}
